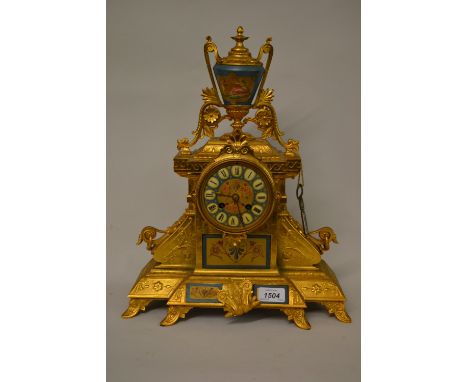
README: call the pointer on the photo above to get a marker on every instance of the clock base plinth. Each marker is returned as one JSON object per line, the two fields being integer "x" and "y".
{"x": 153, "y": 284}
{"x": 184, "y": 290}
{"x": 321, "y": 286}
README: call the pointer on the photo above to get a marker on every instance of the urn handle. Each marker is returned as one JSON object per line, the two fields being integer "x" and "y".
{"x": 266, "y": 48}
{"x": 210, "y": 46}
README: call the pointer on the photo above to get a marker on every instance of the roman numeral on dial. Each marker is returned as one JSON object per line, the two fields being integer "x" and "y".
{"x": 257, "y": 210}
{"x": 249, "y": 174}
{"x": 258, "y": 184}
{"x": 221, "y": 217}
{"x": 223, "y": 173}
{"x": 212, "y": 207}
{"x": 213, "y": 182}
{"x": 233, "y": 221}
{"x": 247, "y": 218}
{"x": 236, "y": 171}
{"x": 261, "y": 197}
{"x": 210, "y": 194}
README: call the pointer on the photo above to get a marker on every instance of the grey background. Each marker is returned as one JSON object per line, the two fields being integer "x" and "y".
{"x": 156, "y": 72}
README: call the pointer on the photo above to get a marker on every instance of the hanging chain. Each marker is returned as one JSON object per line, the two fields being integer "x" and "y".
{"x": 299, "y": 192}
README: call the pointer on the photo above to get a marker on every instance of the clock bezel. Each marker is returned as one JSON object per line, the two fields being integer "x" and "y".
{"x": 242, "y": 160}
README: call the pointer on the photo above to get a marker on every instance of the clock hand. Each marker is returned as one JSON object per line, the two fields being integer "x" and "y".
{"x": 240, "y": 216}
{"x": 235, "y": 199}
{"x": 220, "y": 194}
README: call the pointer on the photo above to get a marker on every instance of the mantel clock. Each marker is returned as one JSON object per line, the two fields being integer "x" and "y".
{"x": 236, "y": 247}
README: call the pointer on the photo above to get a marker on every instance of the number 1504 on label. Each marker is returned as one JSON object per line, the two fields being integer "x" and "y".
{"x": 272, "y": 294}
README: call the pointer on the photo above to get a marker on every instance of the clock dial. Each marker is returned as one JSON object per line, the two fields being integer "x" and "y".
{"x": 236, "y": 197}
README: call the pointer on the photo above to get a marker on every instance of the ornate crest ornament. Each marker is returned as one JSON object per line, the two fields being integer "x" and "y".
{"x": 236, "y": 247}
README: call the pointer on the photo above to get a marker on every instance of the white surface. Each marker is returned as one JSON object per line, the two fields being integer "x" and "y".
{"x": 269, "y": 294}
{"x": 400, "y": 39}
{"x": 156, "y": 71}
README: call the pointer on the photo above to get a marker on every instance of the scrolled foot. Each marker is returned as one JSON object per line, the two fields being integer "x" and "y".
{"x": 337, "y": 309}
{"x": 135, "y": 306}
{"x": 174, "y": 312}
{"x": 298, "y": 316}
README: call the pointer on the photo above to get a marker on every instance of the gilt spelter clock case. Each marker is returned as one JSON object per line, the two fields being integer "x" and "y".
{"x": 236, "y": 247}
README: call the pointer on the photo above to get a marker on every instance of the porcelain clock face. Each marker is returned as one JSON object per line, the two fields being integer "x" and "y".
{"x": 236, "y": 196}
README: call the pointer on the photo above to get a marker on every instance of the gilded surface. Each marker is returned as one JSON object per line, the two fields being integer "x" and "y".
{"x": 319, "y": 289}
{"x": 203, "y": 292}
{"x": 297, "y": 315}
{"x": 294, "y": 257}
{"x": 326, "y": 235}
{"x": 208, "y": 120}
{"x": 148, "y": 235}
{"x": 174, "y": 312}
{"x": 318, "y": 285}
{"x": 237, "y": 298}
{"x": 250, "y": 252}
{"x": 296, "y": 298}
{"x": 135, "y": 306}
{"x": 157, "y": 288}
{"x": 337, "y": 309}
{"x": 176, "y": 247}
{"x": 279, "y": 163}
{"x": 178, "y": 296}
{"x": 294, "y": 248}
{"x": 265, "y": 116}
{"x": 239, "y": 54}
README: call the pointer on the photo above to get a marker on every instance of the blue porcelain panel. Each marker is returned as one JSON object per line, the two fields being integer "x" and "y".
{"x": 237, "y": 83}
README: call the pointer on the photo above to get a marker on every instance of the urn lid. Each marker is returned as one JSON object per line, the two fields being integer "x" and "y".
{"x": 239, "y": 54}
